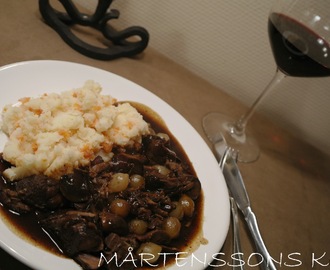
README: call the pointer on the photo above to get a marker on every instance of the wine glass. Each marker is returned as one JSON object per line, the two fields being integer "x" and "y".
{"x": 299, "y": 34}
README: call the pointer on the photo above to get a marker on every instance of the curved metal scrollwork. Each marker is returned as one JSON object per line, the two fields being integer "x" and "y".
{"x": 120, "y": 45}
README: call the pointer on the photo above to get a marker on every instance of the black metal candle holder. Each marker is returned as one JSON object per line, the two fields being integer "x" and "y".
{"x": 119, "y": 45}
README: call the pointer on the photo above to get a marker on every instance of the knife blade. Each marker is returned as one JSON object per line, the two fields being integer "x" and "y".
{"x": 238, "y": 191}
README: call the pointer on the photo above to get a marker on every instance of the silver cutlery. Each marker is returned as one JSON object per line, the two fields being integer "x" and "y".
{"x": 221, "y": 153}
{"x": 239, "y": 194}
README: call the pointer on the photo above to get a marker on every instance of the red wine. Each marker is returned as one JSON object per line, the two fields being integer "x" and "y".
{"x": 297, "y": 50}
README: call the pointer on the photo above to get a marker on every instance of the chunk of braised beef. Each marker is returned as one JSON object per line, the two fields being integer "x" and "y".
{"x": 120, "y": 163}
{"x": 9, "y": 198}
{"x": 132, "y": 148}
{"x": 39, "y": 191}
{"x": 8, "y": 194}
{"x": 119, "y": 166}
{"x": 172, "y": 185}
{"x": 153, "y": 179}
{"x": 74, "y": 231}
{"x": 148, "y": 205}
{"x": 157, "y": 150}
{"x": 155, "y": 222}
{"x": 196, "y": 189}
{"x": 88, "y": 261}
{"x": 117, "y": 249}
{"x": 179, "y": 168}
{"x": 99, "y": 168}
{"x": 113, "y": 240}
{"x": 136, "y": 161}
{"x": 186, "y": 184}
{"x": 96, "y": 160}
{"x": 76, "y": 187}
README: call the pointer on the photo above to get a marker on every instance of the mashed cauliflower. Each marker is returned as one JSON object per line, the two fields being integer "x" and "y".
{"x": 55, "y": 133}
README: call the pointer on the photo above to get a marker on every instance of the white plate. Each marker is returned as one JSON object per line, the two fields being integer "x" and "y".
{"x": 36, "y": 77}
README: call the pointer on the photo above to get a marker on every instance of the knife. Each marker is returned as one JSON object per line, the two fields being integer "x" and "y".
{"x": 238, "y": 191}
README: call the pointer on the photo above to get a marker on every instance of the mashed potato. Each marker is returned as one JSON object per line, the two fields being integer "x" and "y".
{"x": 55, "y": 133}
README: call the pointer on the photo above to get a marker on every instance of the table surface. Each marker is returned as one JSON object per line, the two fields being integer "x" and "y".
{"x": 289, "y": 185}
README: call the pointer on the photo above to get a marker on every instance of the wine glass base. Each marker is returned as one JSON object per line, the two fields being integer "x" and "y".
{"x": 245, "y": 144}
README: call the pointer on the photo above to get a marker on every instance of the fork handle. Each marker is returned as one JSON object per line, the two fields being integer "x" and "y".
{"x": 254, "y": 230}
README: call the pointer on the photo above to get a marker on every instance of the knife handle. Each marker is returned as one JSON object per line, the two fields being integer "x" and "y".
{"x": 237, "y": 250}
{"x": 254, "y": 230}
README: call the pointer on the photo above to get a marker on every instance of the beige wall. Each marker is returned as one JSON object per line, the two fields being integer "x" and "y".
{"x": 226, "y": 42}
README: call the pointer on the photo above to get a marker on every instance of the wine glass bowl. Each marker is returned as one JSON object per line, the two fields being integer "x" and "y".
{"x": 299, "y": 35}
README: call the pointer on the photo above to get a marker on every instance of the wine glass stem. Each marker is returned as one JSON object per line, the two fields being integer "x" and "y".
{"x": 239, "y": 126}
